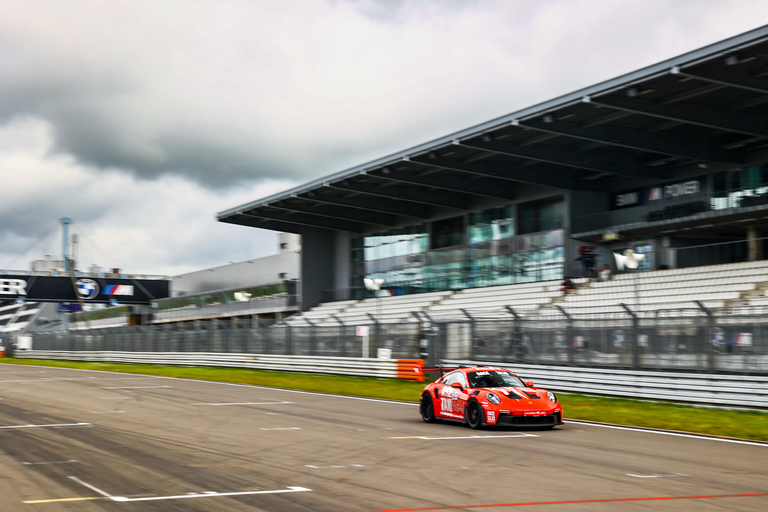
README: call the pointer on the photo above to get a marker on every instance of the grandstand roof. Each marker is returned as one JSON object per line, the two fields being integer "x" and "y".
{"x": 706, "y": 109}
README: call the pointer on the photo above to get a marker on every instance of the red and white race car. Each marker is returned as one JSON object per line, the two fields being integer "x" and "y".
{"x": 489, "y": 396}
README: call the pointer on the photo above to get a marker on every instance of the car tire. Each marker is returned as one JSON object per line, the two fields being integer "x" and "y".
{"x": 427, "y": 407}
{"x": 474, "y": 415}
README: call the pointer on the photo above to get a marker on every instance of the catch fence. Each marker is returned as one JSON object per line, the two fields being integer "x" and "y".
{"x": 697, "y": 340}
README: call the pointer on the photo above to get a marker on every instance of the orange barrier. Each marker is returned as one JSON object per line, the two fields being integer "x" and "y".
{"x": 410, "y": 369}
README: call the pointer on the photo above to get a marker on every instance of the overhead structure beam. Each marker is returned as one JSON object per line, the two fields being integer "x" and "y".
{"x": 498, "y": 189}
{"x": 700, "y": 115}
{"x": 615, "y": 164}
{"x": 729, "y": 79}
{"x": 365, "y": 203}
{"x": 307, "y": 220}
{"x": 371, "y": 218}
{"x": 404, "y": 195}
{"x": 550, "y": 178}
{"x": 255, "y": 222}
{"x": 693, "y": 148}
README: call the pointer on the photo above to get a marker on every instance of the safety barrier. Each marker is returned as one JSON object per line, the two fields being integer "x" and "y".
{"x": 364, "y": 367}
{"x": 708, "y": 389}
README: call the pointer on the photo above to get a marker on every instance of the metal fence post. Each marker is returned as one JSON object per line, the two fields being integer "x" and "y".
{"x": 635, "y": 329}
{"x": 710, "y": 336}
{"x": 471, "y": 334}
{"x": 568, "y": 333}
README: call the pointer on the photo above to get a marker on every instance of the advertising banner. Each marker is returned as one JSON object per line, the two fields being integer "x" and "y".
{"x": 76, "y": 289}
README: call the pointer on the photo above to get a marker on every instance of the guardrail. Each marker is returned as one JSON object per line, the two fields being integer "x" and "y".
{"x": 363, "y": 367}
{"x": 709, "y": 389}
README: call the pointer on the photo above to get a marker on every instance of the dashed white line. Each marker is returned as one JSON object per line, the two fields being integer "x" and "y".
{"x": 335, "y": 467}
{"x": 672, "y": 475}
{"x": 54, "y": 425}
{"x": 136, "y": 387}
{"x": 251, "y": 403}
{"x": 70, "y": 461}
{"x": 211, "y": 494}
{"x": 437, "y": 438}
{"x": 284, "y": 428}
{"x": 115, "y": 398}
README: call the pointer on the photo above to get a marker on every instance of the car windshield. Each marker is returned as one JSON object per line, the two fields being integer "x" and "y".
{"x": 494, "y": 379}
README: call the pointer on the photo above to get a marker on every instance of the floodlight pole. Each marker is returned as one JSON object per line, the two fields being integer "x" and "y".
{"x": 65, "y": 221}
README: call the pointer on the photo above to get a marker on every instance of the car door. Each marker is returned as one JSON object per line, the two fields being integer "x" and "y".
{"x": 453, "y": 396}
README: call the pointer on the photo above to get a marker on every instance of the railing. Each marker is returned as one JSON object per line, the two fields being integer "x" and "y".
{"x": 684, "y": 339}
{"x": 710, "y": 389}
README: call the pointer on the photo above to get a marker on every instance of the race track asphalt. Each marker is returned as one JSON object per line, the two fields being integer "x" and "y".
{"x": 93, "y": 441}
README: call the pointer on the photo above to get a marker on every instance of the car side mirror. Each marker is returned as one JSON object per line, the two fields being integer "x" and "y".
{"x": 529, "y": 383}
{"x": 457, "y": 385}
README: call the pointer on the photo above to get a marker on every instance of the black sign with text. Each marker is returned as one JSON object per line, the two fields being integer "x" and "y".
{"x": 676, "y": 190}
{"x": 86, "y": 289}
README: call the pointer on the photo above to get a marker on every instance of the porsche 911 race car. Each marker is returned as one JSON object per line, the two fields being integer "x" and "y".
{"x": 489, "y": 396}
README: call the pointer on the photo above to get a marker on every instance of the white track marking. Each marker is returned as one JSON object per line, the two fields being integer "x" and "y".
{"x": 436, "y": 438}
{"x": 395, "y": 402}
{"x": 672, "y": 475}
{"x": 283, "y": 428}
{"x": 334, "y": 467}
{"x": 676, "y": 434}
{"x": 70, "y": 461}
{"x": 252, "y": 403}
{"x": 52, "y": 379}
{"x": 55, "y": 425}
{"x": 210, "y": 494}
{"x": 136, "y": 387}
{"x": 89, "y": 486}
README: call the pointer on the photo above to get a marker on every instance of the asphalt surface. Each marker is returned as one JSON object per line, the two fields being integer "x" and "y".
{"x": 93, "y": 441}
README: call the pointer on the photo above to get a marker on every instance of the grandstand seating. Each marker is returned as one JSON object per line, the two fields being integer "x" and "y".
{"x": 715, "y": 286}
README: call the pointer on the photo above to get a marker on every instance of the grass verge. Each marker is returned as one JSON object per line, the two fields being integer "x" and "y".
{"x": 744, "y": 424}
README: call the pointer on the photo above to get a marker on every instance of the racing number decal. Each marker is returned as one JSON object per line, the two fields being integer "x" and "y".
{"x": 448, "y": 396}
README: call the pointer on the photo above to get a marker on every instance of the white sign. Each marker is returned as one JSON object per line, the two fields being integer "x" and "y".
{"x": 384, "y": 353}
{"x": 362, "y": 330}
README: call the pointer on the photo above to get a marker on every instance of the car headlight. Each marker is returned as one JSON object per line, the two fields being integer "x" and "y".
{"x": 551, "y": 396}
{"x": 493, "y": 398}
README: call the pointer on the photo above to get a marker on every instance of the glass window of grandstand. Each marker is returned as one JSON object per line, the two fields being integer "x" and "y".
{"x": 472, "y": 250}
{"x": 541, "y": 216}
{"x": 740, "y": 188}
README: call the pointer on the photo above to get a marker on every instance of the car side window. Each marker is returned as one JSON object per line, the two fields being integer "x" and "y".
{"x": 455, "y": 377}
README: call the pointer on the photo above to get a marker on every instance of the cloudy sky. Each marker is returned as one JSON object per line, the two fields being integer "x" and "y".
{"x": 142, "y": 119}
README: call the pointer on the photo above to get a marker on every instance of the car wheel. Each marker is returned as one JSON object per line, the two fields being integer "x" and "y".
{"x": 427, "y": 408}
{"x": 474, "y": 415}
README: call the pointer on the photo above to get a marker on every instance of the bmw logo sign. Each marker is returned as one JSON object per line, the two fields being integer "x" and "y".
{"x": 87, "y": 288}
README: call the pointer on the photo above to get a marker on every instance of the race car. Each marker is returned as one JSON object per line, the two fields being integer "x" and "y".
{"x": 482, "y": 396}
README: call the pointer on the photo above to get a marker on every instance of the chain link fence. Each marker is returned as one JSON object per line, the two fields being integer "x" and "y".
{"x": 699, "y": 340}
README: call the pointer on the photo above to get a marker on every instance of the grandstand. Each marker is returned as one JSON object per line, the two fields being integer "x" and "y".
{"x": 669, "y": 161}
{"x": 715, "y": 287}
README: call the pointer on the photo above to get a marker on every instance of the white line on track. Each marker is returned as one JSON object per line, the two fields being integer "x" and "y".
{"x": 52, "y": 379}
{"x": 672, "y": 475}
{"x": 282, "y": 428}
{"x": 90, "y": 486}
{"x": 395, "y": 402}
{"x": 334, "y": 467}
{"x": 136, "y": 387}
{"x": 437, "y": 438}
{"x": 252, "y": 403}
{"x": 54, "y": 425}
{"x": 663, "y": 433}
{"x": 70, "y": 461}
{"x": 211, "y": 494}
